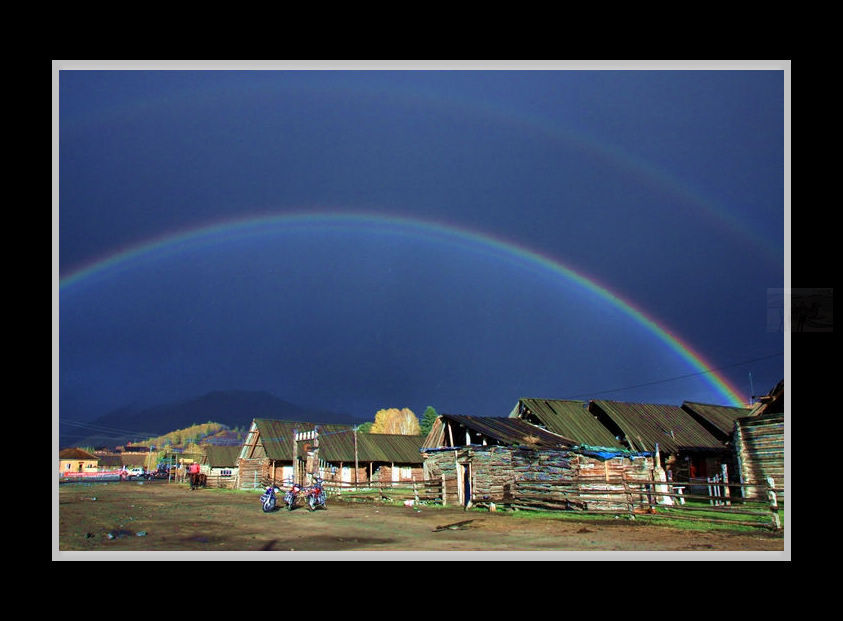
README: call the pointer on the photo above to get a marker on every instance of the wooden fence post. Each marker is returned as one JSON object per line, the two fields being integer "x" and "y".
{"x": 726, "y": 492}
{"x": 774, "y": 505}
{"x": 628, "y": 496}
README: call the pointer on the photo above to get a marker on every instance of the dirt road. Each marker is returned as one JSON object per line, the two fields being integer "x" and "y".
{"x": 161, "y": 516}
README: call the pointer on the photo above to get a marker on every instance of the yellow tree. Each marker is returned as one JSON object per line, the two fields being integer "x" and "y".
{"x": 396, "y": 422}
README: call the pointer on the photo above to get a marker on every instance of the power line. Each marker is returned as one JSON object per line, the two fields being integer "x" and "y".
{"x": 673, "y": 379}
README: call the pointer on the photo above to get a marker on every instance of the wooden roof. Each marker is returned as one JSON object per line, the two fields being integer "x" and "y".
{"x": 721, "y": 417}
{"x": 276, "y": 436}
{"x": 506, "y": 431}
{"x": 221, "y": 456}
{"x": 646, "y": 424}
{"x": 371, "y": 447}
{"x": 570, "y": 419}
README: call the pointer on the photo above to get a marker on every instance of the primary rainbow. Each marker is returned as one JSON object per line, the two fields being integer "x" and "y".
{"x": 417, "y": 228}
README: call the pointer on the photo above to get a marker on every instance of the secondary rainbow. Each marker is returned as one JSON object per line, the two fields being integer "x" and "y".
{"x": 416, "y": 228}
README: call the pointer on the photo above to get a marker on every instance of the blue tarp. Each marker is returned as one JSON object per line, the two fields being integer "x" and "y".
{"x": 607, "y": 452}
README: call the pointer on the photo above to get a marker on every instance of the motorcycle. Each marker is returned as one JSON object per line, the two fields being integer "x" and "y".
{"x": 316, "y": 495}
{"x": 268, "y": 499}
{"x": 291, "y": 495}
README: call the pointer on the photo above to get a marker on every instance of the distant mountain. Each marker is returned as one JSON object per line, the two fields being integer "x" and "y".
{"x": 234, "y": 408}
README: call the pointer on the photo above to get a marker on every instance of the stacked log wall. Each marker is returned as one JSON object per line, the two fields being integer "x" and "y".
{"x": 492, "y": 478}
{"x": 441, "y": 466}
{"x": 759, "y": 444}
{"x": 596, "y": 475}
{"x": 251, "y": 470}
{"x": 550, "y": 479}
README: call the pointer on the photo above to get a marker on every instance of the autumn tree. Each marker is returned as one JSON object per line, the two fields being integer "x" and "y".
{"x": 396, "y": 422}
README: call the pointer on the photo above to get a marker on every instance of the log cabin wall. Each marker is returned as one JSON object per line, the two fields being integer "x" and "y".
{"x": 251, "y": 472}
{"x": 442, "y": 466}
{"x": 387, "y": 473}
{"x": 759, "y": 444}
{"x": 498, "y": 472}
{"x": 592, "y": 475}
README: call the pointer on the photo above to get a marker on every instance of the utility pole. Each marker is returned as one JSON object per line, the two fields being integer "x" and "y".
{"x": 356, "y": 466}
{"x": 316, "y": 471}
{"x": 295, "y": 462}
{"x": 751, "y": 389}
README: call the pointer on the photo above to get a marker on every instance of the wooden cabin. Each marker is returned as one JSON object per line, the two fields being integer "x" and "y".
{"x": 219, "y": 465}
{"x": 270, "y": 452}
{"x": 507, "y": 461}
{"x": 351, "y": 457}
{"x": 689, "y": 451}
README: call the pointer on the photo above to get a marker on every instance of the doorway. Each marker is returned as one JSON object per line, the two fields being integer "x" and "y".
{"x": 464, "y": 483}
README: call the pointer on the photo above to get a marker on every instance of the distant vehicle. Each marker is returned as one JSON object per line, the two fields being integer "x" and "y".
{"x": 136, "y": 473}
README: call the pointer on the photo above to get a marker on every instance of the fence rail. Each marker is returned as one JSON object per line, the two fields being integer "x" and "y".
{"x": 666, "y": 499}
{"x": 655, "y": 498}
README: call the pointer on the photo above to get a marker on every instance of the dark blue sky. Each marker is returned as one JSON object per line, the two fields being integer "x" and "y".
{"x": 666, "y": 187}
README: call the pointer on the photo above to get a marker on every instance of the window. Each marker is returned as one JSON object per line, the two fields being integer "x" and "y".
{"x": 225, "y": 473}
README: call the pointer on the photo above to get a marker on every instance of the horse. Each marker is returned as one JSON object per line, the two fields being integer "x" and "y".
{"x": 198, "y": 479}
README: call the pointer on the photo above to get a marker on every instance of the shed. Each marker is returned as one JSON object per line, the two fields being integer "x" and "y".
{"x": 270, "y": 451}
{"x": 509, "y": 461}
{"x": 391, "y": 458}
{"x": 219, "y": 464}
{"x": 689, "y": 450}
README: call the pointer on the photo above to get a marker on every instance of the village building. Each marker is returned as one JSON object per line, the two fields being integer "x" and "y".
{"x": 507, "y": 461}
{"x": 760, "y": 443}
{"x": 219, "y": 465}
{"x": 351, "y": 457}
{"x": 689, "y": 452}
{"x": 720, "y": 421}
{"x": 117, "y": 461}
{"x": 76, "y": 460}
{"x": 270, "y": 453}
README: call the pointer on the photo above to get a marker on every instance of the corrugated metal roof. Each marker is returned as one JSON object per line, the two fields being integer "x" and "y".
{"x": 645, "y": 424}
{"x": 570, "y": 419}
{"x": 723, "y": 417}
{"x": 375, "y": 447}
{"x": 221, "y": 456}
{"x": 277, "y": 435}
{"x": 509, "y": 431}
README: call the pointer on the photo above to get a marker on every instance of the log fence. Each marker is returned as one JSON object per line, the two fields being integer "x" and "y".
{"x": 712, "y": 501}
{"x": 653, "y": 498}
{"x": 625, "y": 496}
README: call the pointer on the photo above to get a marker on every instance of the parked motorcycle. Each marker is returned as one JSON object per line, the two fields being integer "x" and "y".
{"x": 291, "y": 495}
{"x": 316, "y": 495}
{"x": 268, "y": 499}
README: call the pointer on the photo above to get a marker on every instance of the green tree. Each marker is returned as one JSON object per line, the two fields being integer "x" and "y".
{"x": 428, "y": 418}
{"x": 365, "y": 427}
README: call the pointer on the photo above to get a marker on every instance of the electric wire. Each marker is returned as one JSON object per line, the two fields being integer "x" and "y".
{"x": 673, "y": 379}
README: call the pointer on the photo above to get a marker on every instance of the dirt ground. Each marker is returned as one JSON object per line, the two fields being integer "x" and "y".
{"x": 169, "y": 517}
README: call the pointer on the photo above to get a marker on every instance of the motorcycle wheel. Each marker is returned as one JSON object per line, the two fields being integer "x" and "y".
{"x": 311, "y": 503}
{"x": 290, "y": 505}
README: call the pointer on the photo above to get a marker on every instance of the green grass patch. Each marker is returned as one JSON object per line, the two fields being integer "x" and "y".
{"x": 664, "y": 516}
